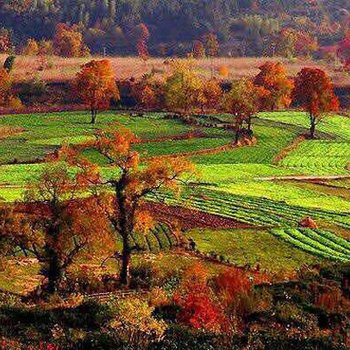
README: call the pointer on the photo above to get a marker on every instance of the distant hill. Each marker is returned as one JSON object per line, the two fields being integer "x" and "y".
{"x": 243, "y": 27}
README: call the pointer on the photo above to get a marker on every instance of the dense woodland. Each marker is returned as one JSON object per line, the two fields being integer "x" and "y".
{"x": 243, "y": 27}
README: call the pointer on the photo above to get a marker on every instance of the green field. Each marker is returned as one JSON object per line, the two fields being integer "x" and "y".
{"x": 240, "y": 184}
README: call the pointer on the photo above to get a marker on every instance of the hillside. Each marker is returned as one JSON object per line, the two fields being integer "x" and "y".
{"x": 244, "y": 27}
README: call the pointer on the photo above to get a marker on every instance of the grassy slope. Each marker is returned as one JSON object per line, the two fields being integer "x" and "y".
{"x": 251, "y": 247}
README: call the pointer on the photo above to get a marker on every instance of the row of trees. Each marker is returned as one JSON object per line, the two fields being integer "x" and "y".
{"x": 185, "y": 92}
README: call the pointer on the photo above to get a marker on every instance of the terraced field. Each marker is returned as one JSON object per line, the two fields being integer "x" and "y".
{"x": 319, "y": 158}
{"x": 234, "y": 184}
{"x": 270, "y": 142}
{"x": 317, "y": 242}
{"x": 257, "y": 211}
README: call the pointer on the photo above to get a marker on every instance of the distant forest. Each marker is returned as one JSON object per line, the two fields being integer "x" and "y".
{"x": 243, "y": 27}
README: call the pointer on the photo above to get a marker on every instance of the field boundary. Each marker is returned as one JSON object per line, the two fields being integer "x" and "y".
{"x": 288, "y": 149}
{"x": 206, "y": 151}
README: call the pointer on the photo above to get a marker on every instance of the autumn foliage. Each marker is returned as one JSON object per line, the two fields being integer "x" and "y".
{"x": 273, "y": 78}
{"x": 198, "y": 308}
{"x": 130, "y": 185}
{"x": 95, "y": 85}
{"x": 68, "y": 41}
{"x": 183, "y": 88}
{"x": 243, "y": 101}
{"x": 314, "y": 92}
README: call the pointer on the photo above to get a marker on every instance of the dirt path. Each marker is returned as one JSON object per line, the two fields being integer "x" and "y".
{"x": 303, "y": 178}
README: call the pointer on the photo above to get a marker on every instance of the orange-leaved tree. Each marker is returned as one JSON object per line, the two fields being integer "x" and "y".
{"x": 243, "y": 101}
{"x": 5, "y": 87}
{"x": 211, "y": 95}
{"x": 314, "y": 92}
{"x": 68, "y": 41}
{"x": 130, "y": 183}
{"x": 273, "y": 77}
{"x": 198, "y": 49}
{"x": 60, "y": 224}
{"x": 95, "y": 85}
{"x": 148, "y": 93}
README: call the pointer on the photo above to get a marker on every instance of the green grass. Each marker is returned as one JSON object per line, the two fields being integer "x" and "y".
{"x": 334, "y": 125}
{"x": 271, "y": 141}
{"x": 44, "y": 132}
{"x": 251, "y": 247}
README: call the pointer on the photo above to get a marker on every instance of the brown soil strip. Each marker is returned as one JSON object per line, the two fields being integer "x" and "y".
{"x": 7, "y": 131}
{"x": 185, "y": 136}
{"x": 190, "y": 218}
{"x": 304, "y": 178}
{"x": 207, "y": 151}
{"x": 285, "y": 151}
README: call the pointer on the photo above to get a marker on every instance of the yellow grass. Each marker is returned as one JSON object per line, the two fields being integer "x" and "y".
{"x": 64, "y": 69}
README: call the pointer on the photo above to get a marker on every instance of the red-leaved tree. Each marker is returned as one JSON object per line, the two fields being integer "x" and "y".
{"x": 314, "y": 92}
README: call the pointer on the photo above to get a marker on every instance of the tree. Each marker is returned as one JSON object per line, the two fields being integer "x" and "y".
{"x": 130, "y": 183}
{"x": 147, "y": 93}
{"x": 183, "y": 88}
{"x": 141, "y": 36}
{"x": 273, "y": 78}
{"x": 5, "y": 87}
{"x": 68, "y": 41}
{"x": 135, "y": 324}
{"x": 198, "y": 308}
{"x": 212, "y": 48}
{"x": 314, "y": 92}
{"x": 243, "y": 101}
{"x": 95, "y": 85}
{"x": 5, "y": 40}
{"x": 13, "y": 232}
{"x": 31, "y": 48}
{"x": 60, "y": 222}
{"x": 211, "y": 95}
{"x": 344, "y": 49}
{"x": 198, "y": 49}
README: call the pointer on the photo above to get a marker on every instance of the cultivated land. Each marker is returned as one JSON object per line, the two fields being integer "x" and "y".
{"x": 64, "y": 69}
{"x": 245, "y": 203}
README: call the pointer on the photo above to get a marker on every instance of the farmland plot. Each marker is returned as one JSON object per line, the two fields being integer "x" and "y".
{"x": 319, "y": 158}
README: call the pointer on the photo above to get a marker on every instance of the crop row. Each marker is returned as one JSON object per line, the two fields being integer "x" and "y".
{"x": 320, "y": 156}
{"x": 317, "y": 242}
{"x": 160, "y": 238}
{"x": 256, "y": 211}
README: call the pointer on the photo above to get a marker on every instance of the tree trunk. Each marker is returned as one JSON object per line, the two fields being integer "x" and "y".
{"x": 237, "y": 136}
{"x": 124, "y": 277}
{"x": 93, "y": 116}
{"x": 249, "y": 123}
{"x": 125, "y": 229}
{"x": 54, "y": 274}
{"x": 312, "y": 126}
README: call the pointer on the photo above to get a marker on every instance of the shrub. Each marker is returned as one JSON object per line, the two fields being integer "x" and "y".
{"x": 134, "y": 324}
{"x": 33, "y": 91}
{"x": 198, "y": 307}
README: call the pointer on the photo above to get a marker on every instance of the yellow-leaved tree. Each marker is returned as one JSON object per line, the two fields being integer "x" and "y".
{"x": 183, "y": 88}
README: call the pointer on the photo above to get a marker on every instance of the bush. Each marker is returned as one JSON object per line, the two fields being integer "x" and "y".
{"x": 33, "y": 91}
{"x": 134, "y": 323}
